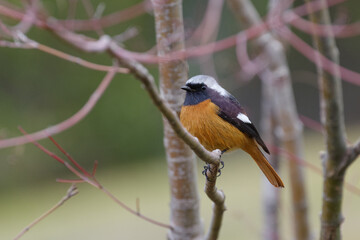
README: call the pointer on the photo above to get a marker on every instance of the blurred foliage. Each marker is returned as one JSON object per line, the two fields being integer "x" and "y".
{"x": 38, "y": 90}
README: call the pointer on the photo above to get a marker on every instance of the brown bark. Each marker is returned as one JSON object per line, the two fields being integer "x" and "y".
{"x": 184, "y": 218}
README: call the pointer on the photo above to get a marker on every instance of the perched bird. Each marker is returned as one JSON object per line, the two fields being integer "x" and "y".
{"x": 217, "y": 119}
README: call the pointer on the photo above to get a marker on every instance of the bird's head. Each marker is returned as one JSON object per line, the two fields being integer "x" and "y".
{"x": 201, "y": 88}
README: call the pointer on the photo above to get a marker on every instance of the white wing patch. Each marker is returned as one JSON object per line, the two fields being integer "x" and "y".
{"x": 210, "y": 82}
{"x": 243, "y": 118}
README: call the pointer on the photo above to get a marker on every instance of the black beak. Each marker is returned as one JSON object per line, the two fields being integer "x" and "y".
{"x": 186, "y": 88}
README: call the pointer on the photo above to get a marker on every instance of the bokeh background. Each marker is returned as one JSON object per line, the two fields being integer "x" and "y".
{"x": 124, "y": 133}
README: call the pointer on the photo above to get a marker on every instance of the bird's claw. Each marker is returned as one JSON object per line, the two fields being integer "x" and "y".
{"x": 208, "y": 168}
{"x": 219, "y": 170}
{"x": 222, "y": 165}
{"x": 204, "y": 172}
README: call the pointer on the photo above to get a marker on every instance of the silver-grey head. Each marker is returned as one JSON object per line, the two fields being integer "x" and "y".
{"x": 208, "y": 81}
{"x": 201, "y": 87}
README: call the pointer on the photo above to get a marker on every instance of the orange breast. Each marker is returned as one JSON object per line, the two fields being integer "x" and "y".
{"x": 213, "y": 132}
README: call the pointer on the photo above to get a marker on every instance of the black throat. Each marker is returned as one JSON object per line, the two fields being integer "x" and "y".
{"x": 193, "y": 98}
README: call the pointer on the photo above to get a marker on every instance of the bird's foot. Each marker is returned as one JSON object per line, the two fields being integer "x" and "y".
{"x": 208, "y": 168}
{"x": 219, "y": 170}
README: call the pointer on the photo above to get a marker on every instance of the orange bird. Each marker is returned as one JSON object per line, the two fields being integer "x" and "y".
{"x": 216, "y": 118}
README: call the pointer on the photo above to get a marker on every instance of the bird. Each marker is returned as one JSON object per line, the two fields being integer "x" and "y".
{"x": 218, "y": 121}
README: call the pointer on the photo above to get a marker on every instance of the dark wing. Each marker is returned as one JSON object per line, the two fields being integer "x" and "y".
{"x": 229, "y": 110}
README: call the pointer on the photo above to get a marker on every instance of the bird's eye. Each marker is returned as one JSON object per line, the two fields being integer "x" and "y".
{"x": 203, "y": 88}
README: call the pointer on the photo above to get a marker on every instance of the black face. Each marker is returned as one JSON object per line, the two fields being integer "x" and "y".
{"x": 195, "y": 93}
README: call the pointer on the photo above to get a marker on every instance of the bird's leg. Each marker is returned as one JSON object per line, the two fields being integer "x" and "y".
{"x": 221, "y": 162}
{"x": 208, "y": 168}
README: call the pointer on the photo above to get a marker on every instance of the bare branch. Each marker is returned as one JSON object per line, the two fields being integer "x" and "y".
{"x": 339, "y": 31}
{"x": 249, "y": 67}
{"x": 206, "y": 49}
{"x": 72, "y": 191}
{"x": 141, "y": 73}
{"x": 348, "y": 186}
{"x": 78, "y": 60}
{"x": 90, "y": 179}
{"x": 319, "y": 59}
{"x": 71, "y": 159}
{"x": 52, "y": 51}
{"x": 22, "y": 41}
{"x": 8, "y": 44}
{"x": 103, "y": 42}
{"x": 82, "y": 113}
{"x": 217, "y": 197}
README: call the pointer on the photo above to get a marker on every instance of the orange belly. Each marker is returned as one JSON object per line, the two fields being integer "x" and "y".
{"x": 213, "y": 132}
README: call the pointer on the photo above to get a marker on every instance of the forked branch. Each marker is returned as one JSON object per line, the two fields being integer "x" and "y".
{"x": 72, "y": 191}
{"x": 85, "y": 176}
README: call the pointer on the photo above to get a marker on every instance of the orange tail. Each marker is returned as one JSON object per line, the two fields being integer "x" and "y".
{"x": 265, "y": 166}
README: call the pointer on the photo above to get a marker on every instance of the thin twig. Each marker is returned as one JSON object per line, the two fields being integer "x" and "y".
{"x": 32, "y": 44}
{"x": 59, "y": 159}
{"x": 135, "y": 212}
{"x": 70, "y": 158}
{"x": 78, "y": 60}
{"x": 91, "y": 180}
{"x": 72, "y": 191}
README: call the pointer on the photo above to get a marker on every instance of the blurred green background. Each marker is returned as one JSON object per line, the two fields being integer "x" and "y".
{"x": 124, "y": 131}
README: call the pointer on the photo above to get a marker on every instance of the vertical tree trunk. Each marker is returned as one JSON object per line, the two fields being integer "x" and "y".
{"x": 332, "y": 117}
{"x": 184, "y": 218}
{"x": 277, "y": 78}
